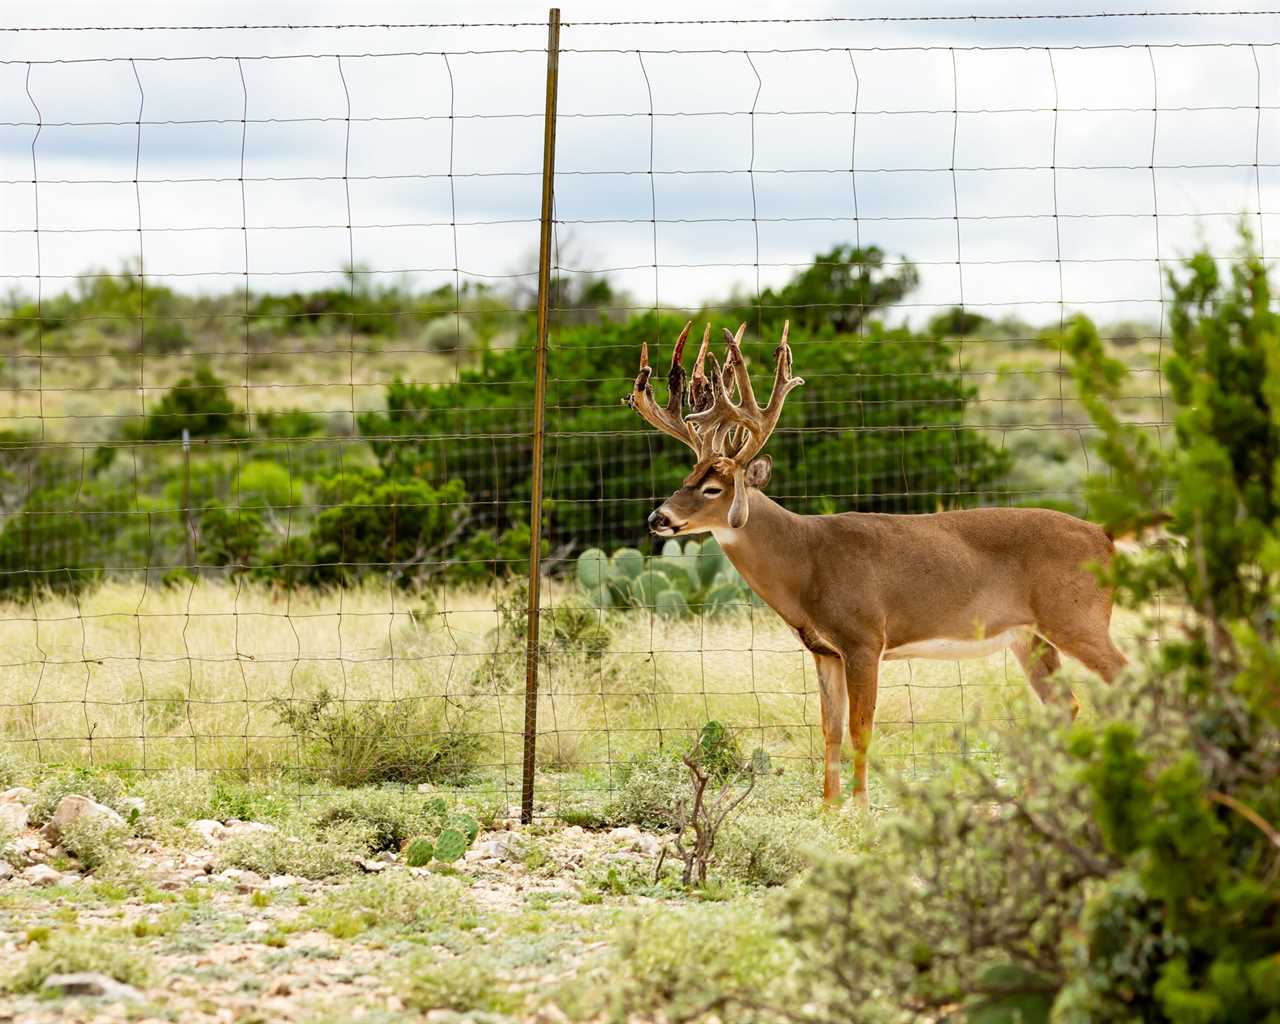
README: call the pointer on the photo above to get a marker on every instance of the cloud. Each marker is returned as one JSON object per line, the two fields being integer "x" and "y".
{"x": 986, "y": 151}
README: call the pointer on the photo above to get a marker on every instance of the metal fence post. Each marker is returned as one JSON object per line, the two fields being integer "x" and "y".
{"x": 539, "y": 418}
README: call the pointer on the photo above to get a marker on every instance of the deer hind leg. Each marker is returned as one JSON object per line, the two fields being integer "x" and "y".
{"x": 1039, "y": 660}
{"x": 862, "y": 676}
{"x": 835, "y": 709}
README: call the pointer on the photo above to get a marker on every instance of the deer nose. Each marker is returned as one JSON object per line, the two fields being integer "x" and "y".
{"x": 658, "y": 520}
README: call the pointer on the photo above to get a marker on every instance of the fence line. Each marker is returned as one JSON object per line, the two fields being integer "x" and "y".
{"x": 259, "y": 497}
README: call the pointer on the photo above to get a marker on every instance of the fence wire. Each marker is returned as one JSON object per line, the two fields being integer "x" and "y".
{"x": 267, "y": 408}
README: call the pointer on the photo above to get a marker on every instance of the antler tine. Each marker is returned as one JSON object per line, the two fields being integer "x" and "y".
{"x": 762, "y": 426}
{"x": 735, "y": 363}
{"x": 669, "y": 419}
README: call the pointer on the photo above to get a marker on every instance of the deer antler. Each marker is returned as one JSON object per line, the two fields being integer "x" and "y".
{"x": 669, "y": 418}
{"x": 739, "y": 430}
{"x": 718, "y": 427}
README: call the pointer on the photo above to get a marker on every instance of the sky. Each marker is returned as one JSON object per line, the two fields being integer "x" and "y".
{"x": 1029, "y": 167}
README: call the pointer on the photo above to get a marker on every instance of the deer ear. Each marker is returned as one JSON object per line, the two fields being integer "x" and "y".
{"x": 757, "y": 474}
{"x": 741, "y": 507}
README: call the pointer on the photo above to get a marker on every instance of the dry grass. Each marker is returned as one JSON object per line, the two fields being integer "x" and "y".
{"x": 184, "y": 676}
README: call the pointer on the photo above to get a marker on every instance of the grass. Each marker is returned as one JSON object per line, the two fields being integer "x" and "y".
{"x": 191, "y": 677}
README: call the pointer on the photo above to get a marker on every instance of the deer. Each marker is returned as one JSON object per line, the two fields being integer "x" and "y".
{"x": 859, "y": 588}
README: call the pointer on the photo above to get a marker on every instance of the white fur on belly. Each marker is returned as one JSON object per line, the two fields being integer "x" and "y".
{"x": 952, "y": 650}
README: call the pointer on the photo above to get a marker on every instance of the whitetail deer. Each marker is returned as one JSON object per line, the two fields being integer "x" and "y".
{"x": 860, "y": 587}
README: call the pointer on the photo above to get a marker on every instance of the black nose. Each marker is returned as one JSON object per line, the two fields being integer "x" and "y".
{"x": 657, "y": 520}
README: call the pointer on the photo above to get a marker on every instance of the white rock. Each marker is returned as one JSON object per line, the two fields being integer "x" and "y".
{"x": 41, "y": 874}
{"x": 13, "y": 817}
{"x": 236, "y": 827}
{"x": 6, "y": 870}
{"x": 74, "y": 807}
{"x": 18, "y": 795}
{"x": 371, "y": 866}
{"x": 99, "y": 986}
{"x": 208, "y": 829}
{"x": 501, "y": 846}
{"x": 277, "y": 882}
{"x": 28, "y": 847}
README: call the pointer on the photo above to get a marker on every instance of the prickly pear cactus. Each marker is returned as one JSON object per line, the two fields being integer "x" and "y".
{"x": 626, "y": 564}
{"x": 710, "y": 562}
{"x": 419, "y": 852}
{"x": 451, "y": 844}
{"x": 467, "y": 825}
{"x": 672, "y": 605}
{"x": 593, "y": 575}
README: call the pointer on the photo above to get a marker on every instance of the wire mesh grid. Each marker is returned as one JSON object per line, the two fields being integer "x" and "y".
{"x": 268, "y": 396}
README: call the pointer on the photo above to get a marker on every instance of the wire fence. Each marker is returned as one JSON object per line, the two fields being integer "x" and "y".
{"x": 269, "y": 413}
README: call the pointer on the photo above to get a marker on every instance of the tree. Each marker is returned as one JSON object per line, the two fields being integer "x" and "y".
{"x": 840, "y": 291}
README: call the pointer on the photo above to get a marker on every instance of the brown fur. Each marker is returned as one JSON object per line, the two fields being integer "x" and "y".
{"x": 857, "y": 585}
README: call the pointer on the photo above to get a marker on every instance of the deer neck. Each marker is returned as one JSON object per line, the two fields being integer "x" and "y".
{"x": 770, "y": 553}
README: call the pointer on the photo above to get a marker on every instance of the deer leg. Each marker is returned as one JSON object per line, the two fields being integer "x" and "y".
{"x": 1095, "y": 652}
{"x": 835, "y": 708}
{"x": 1039, "y": 660}
{"x": 861, "y": 676}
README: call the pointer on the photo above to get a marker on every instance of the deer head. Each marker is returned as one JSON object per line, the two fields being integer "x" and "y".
{"x": 725, "y": 434}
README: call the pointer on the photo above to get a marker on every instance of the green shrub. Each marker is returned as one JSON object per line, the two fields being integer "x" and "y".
{"x": 465, "y": 984}
{"x": 98, "y": 952}
{"x": 323, "y": 853}
{"x": 199, "y": 404}
{"x": 360, "y": 743}
{"x": 230, "y": 536}
{"x": 908, "y": 453}
{"x": 649, "y": 788}
{"x": 93, "y": 840}
{"x": 101, "y": 786}
{"x": 432, "y": 906}
{"x": 391, "y": 815}
{"x": 1121, "y": 869}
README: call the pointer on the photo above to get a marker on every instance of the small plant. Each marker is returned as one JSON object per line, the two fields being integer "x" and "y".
{"x": 467, "y": 825}
{"x": 72, "y": 952}
{"x": 695, "y": 578}
{"x": 704, "y": 813}
{"x": 419, "y": 852}
{"x": 93, "y": 840}
{"x": 451, "y": 844}
{"x": 358, "y": 743}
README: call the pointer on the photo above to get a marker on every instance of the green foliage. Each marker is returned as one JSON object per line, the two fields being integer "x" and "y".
{"x": 360, "y": 743}
{"x": 837, "y": 292}
{"x": 695, "y": 579}
{"x": 648, "y": 790}
{"x": 391, "y": 814}
{"x": 231, "y": 537}
{"x": 70, "y": 952}
{"x": 199, "y": 404}
{"x": 419, "y": 852}
{"x": 467, "y": 825}
{"x": 307, "y": 853}
{"x": 93, "y": 840}
{"x": 400, "y": 528}
{"x": 923, "y": 436}
{"x": 1124, "y": 868}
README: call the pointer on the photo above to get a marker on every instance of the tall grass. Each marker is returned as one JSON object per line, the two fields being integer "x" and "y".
{"x": 196, "y": 675}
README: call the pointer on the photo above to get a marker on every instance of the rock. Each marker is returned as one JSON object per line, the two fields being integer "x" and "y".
{"x": 13, "y": 817}
{"x": 27, "y": 848}
{"x": 244, "y": 881}
{"x": 129, "y": 804}
{"x": 209, "y": 830}
{"x": 371, "y": 866}
{"x": 74, "y": 807}
{"x": 41, "y": 874}
{"x": 18, "y": 795}
{"x": 236, "y": 827}
{"x": 99, "y": 986}
{"x": 279, "y": 987}
{"x": 278, "y": 882}
{"x": 6, "y": 870}
{"x": 503, "y": 846}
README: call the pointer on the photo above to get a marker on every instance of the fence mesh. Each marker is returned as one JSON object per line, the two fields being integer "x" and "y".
{"x": 266, "y": 430}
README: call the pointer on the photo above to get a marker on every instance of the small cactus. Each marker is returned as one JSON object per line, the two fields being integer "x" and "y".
{"x": 671, "y": 604}
{"x": 467, "y": 825}
{"x": 627, "y": 563}
{"x": 593, "y": 568}
{"x": 419, "y": 852}
{"x": 451, "y": 844}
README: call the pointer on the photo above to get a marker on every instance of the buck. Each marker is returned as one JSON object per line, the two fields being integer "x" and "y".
{"x": 857, "y": 588}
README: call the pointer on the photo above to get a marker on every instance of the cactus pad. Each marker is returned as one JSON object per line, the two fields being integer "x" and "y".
{"x": 451, "y": 844}
{"x": 419, "y": 852}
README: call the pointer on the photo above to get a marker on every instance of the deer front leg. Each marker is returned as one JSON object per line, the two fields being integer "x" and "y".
{"x": 862, "y": 676}
{"x": 834, "y": 698}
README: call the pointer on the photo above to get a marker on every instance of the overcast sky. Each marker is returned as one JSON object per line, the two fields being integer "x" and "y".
{"x": 854, "y": 138}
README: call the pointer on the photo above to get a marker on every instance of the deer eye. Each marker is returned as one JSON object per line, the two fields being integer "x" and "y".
{"x": 711, "y": 492}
